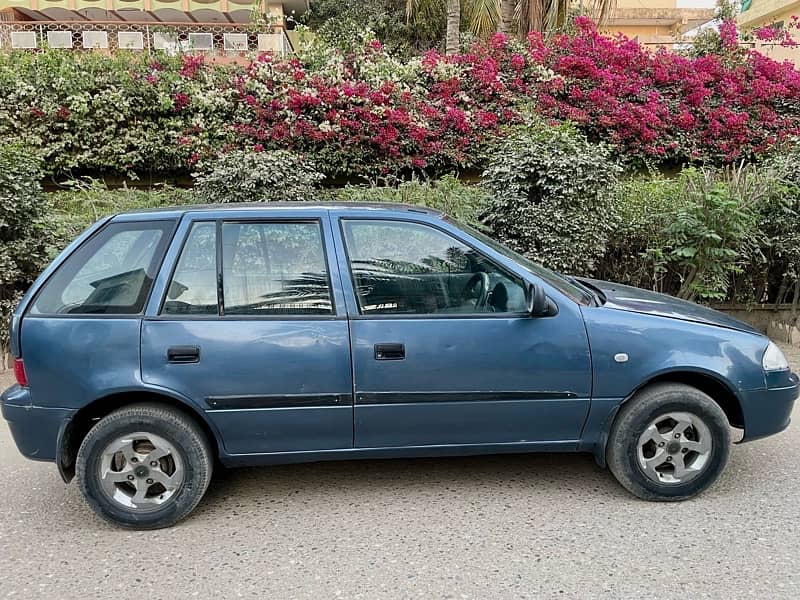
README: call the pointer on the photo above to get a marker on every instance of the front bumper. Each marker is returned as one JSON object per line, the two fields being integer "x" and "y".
{"x": 35, "y": 429}
{"x": 769, "y": 411}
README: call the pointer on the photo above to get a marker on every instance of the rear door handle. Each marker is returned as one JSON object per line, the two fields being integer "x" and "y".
{"x": 183, "y": 354}
{"x": 390, "y": 351}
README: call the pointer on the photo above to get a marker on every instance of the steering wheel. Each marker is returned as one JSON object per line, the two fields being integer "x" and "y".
{"x": 478, "y": 288}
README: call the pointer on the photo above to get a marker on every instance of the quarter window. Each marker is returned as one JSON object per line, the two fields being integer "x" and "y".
{"x": 274, "y": 268}
{"x": 111, "y": 273}
{"x": 409, "y": 268}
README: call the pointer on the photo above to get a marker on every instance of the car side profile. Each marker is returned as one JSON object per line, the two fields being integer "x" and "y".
{"x": 162, "y": 343}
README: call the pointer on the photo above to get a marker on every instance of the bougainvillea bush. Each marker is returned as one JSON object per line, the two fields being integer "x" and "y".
{"x": 369, "y": 114}
{"x": 717, "y": 107}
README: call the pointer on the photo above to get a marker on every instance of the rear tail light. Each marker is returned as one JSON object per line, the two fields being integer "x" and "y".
{"x": 19, "y": 372}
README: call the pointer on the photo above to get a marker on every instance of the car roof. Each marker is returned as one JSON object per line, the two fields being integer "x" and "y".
{"x": 266, "y": 206}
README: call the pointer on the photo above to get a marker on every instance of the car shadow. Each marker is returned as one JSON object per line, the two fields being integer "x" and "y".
{"x": 466, "y": 474}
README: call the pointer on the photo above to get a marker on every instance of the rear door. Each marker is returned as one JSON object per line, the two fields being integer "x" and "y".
{"x": 250, "y": 326}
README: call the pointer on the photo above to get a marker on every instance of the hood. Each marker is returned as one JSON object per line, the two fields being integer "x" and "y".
{"x": 625, "y": 297}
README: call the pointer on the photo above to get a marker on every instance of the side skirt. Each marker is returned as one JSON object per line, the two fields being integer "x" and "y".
{"x": 279, "y": 458}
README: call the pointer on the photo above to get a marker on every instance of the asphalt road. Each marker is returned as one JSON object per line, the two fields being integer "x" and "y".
{"x": 538, "y": 526}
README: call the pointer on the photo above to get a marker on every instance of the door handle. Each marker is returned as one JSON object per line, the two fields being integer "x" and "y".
{"x": 183, "y": 354}
{"x": 390, "y": 351}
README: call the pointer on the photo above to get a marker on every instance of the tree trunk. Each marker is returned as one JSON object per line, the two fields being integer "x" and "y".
{"x": 453, "y": 26}
{"x": 507, "y": 16}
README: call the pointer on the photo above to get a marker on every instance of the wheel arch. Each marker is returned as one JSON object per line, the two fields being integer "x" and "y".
{"x": 73, "y": 431}
{"x": 717, "y": 388}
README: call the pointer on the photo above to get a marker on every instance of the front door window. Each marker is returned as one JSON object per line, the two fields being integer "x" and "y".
{"x": 408, "y": 268}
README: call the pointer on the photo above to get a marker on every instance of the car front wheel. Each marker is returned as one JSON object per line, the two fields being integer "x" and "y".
{"x": 669, "y": 442}
{"x": 144, "y": 466}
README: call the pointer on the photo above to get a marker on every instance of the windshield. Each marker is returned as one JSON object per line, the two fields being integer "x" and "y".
{"x": 559, "y": 282}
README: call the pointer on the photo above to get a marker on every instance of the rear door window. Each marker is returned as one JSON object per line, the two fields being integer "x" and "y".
{"x": 275, "y": 268}
{"x": 111, "y": 273}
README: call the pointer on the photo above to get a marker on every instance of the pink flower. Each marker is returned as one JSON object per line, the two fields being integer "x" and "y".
{"x": 729, "y": 34}
{"x": 180, "y": 101}
{"x": 498, "y": 41}
{"x": 518, "y": 62}
{"x": 62, "y": 113}
{"x": 191, "y": 64}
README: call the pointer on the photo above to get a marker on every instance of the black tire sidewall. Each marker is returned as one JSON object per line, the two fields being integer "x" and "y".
{"x": 90, "y": 456}
{"x": 624, "y": 446}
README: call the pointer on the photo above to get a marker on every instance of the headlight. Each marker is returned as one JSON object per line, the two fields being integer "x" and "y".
{"x": 774, "y": 360}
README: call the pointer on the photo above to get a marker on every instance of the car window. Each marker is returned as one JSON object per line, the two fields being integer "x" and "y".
{"x": 274, "y": 268}
{"x": 193, "y": 289}
{"x": 401, "y": 267}
{"x": 557, "y": 280}
{"x": 111, "y": 273}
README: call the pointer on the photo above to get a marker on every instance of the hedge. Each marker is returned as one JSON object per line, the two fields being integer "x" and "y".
{"x": 366, "y": 113}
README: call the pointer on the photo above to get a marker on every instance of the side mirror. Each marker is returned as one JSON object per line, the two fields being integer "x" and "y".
{"x": 538, "y": 305}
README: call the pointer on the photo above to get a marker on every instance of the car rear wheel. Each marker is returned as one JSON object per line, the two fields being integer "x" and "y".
{"x": 669, "y": 442}
{"x": 144, "y": 466}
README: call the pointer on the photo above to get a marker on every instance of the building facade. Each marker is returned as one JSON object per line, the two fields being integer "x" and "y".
{"x": 219, "y": 27}
{"x": 777, "y": 14}
{"x": 655, "y": 23}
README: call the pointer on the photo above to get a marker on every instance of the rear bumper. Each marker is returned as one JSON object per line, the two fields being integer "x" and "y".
{"x": 35, "y": 429}
{"x": 769, "y": 411}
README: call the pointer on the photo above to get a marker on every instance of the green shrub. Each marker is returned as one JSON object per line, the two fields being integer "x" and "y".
{"x": 113, "y": 113}
{"x": 465, "y": 203}
{"x": 551, "y": 196}
{"x": 715, "y": 229}
{"x": 696, "y": 236}
{"x": 242, "y": 176}
{"x": 777, "y": 277}
{"x": 635, "y": 252}
{"x": 84, "y": 201}
{"x": 28, "y": 236}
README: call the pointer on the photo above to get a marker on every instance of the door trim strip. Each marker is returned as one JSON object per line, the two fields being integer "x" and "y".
{"x": 431, "y": 397}
{"x": 253, "y": 402}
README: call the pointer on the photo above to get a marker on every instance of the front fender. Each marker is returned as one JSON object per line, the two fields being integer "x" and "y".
{"x": 655, "y": 346}
{"x": 630, "y": 350}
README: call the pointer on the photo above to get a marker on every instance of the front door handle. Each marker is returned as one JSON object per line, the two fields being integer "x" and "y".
{"x": 390, "y": 351}
{"x": 183, "y": 354}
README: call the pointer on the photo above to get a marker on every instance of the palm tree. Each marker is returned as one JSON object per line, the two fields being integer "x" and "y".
{"x": 547, "y": 15}
{"x": 509, "y": 16}
{"x": 421, "y": 10}
{"x": 507, "y": 10}
{"x": 453, "y": 26}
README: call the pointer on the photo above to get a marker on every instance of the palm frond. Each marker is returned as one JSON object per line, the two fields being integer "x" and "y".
{"x": 483, "y": 16}
{"x": 602, "y": 10}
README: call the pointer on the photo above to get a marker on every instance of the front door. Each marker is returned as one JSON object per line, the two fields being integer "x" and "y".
{"x": 444, "y": 352}
{"x": 248, "y": 329}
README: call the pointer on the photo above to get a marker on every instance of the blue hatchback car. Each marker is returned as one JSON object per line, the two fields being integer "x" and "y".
{"x": 160, "y": 343}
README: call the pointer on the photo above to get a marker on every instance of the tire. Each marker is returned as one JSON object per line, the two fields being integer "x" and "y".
{"x": 144, "y": 466}
{"x": 685, "y": 460}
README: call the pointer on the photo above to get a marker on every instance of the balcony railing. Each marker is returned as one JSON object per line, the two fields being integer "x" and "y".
{"x": 221, "y": 39}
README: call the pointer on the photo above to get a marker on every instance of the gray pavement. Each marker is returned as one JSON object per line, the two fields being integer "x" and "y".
{"x": 537, "y": 526}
